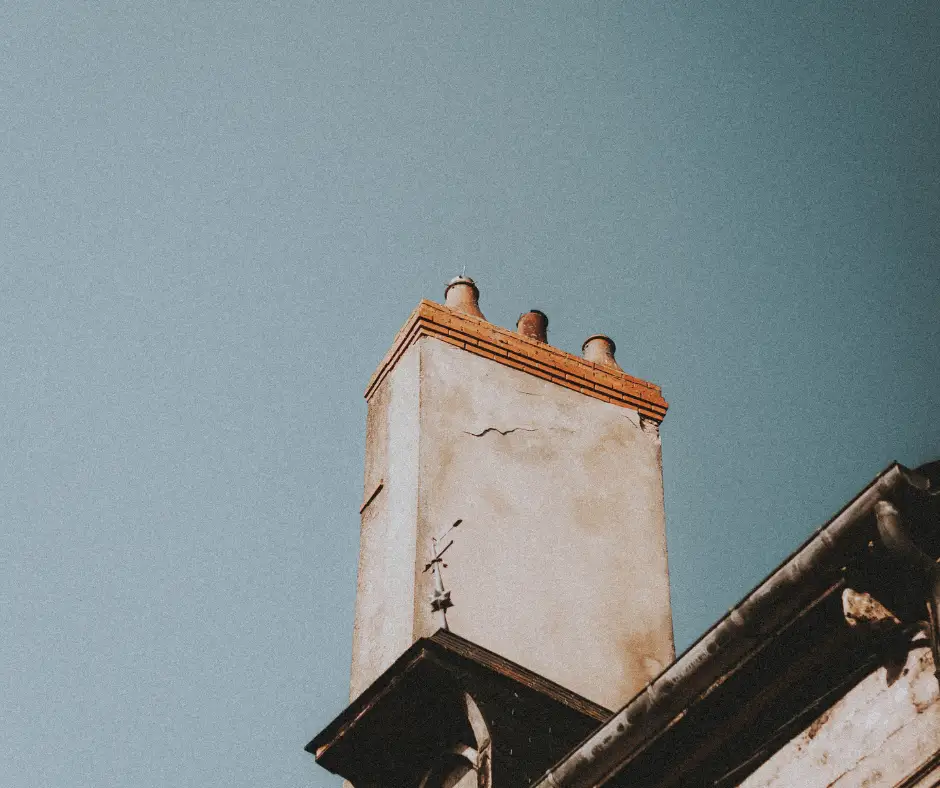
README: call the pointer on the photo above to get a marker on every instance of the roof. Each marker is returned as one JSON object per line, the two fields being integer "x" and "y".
{"x": 416, "y": 710}
{"x": 778, "y": 657}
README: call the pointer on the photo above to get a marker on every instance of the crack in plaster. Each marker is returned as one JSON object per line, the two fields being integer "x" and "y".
{"x": 501, "y": 432}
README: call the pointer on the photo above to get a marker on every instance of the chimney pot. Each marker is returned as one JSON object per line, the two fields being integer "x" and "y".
{"x": 462, "y": 295}
{"x": 534, "y": 325}
{"x": 600, "y": 349}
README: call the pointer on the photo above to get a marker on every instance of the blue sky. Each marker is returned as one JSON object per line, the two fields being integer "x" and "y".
{"x": 216, "y": 215}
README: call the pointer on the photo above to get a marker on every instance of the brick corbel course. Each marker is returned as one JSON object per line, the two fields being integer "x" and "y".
{"x": 506, "y": 347}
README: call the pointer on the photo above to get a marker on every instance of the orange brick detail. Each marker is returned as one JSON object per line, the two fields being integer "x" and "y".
{"x": 535, "y": 358}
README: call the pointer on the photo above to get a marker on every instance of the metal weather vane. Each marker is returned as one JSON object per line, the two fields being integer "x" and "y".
{"x": 440, "y": 599}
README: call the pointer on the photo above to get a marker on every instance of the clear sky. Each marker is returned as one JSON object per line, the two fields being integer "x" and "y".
{"x": 216, "y": 215}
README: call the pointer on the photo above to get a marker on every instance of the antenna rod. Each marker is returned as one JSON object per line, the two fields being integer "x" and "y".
{"x": 440, "y": 599}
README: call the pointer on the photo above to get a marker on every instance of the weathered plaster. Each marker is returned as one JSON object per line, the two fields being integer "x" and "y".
{"x": 385, "y": 592}
{"x": 883, "y": 730}
{"x": 560, "y": 563}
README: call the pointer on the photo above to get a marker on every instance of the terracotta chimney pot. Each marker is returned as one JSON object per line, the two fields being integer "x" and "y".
{"x": 534, "y": 325}
{"x": 600, "y": 349}
{"x": 462, "y": 295}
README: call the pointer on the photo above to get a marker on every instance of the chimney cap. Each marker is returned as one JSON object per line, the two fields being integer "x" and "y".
{"x": 534, "y": 312}
{"x": 463, "y": 295}
{"x": 534, "y": 325}
{"x": 461, "y": 280}
{"x": 613, "y": 345}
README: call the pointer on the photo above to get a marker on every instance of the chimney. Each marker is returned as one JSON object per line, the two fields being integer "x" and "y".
{"x": 462, "y": 295}
{"x": 550, "y": 464}
{"x": 534, "y": 325}
{"x": 600, "y": 349}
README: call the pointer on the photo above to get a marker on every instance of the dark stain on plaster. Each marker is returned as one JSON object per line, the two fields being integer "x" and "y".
{"x": 501, "y": 432}
{"x": 643, "y": 652}
{"x": 818, "y": 723}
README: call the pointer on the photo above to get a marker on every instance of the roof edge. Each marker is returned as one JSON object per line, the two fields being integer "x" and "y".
{"x": 446, "y": 641}
{"x": 793, "y": 585}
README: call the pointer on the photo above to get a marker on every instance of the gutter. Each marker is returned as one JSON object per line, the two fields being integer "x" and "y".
{"x": 733, "y": 639}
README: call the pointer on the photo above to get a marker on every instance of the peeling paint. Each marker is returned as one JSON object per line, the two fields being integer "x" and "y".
{"x": 876, "y": 735}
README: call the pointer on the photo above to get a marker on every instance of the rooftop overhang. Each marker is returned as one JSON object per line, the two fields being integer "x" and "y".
{"x": 418, "y": 709}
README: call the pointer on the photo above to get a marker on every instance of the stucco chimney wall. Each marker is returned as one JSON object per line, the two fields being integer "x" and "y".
{"x": 550, "y": 568}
